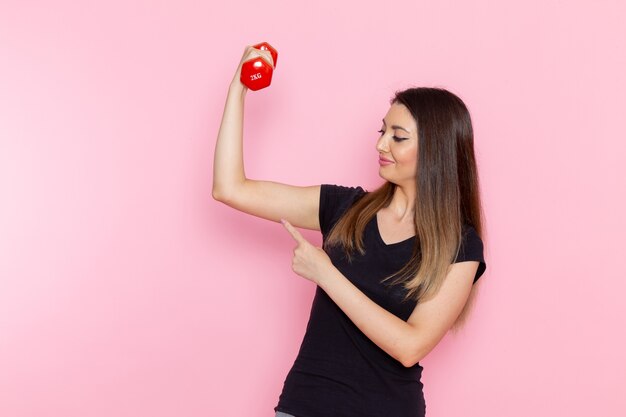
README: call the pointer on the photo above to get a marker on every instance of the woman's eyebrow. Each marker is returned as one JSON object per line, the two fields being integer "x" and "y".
{"x": 396, "y": 127}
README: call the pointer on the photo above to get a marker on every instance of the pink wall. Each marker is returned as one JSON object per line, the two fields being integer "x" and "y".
{"x": 126, "y": 290}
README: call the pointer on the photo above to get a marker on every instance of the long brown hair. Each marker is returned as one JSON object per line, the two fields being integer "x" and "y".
{"x": 447, "y": 195}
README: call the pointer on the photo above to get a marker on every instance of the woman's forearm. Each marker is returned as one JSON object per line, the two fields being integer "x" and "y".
{"x": 389, "y": 332}
{"x": 228, "y": 170}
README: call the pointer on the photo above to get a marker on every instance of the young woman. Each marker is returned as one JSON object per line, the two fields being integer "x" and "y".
{"x": 398, "y": 265}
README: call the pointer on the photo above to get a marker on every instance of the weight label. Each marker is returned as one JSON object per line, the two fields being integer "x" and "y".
{"x": 256, "y": 76}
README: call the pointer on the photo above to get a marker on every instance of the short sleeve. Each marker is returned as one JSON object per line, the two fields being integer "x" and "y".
{"x": 472, "y": 250}
{"x": 334, "y": 201}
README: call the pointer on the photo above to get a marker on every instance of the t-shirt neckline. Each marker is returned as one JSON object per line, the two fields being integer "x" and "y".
{"x": 380, "y": 239}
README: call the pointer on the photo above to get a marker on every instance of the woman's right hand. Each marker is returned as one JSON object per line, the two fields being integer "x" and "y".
{"x": 249, "y": 53}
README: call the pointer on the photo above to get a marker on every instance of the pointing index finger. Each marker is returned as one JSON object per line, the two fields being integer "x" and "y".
{"x": 292, "y": 230}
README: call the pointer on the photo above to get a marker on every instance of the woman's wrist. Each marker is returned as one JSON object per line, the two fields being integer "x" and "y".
{"x": 237, "y": 88}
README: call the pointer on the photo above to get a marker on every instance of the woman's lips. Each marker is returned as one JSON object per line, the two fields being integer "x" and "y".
{"x": 382, "y": 161}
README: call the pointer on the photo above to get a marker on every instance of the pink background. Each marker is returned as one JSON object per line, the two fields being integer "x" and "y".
{"x": 126, "y": 290}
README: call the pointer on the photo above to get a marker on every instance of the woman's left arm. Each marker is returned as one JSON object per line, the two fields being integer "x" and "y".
{"x": 406, "y": 341}
{"x": 392, "y": 334}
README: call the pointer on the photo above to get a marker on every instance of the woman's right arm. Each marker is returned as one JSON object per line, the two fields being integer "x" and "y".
{"x": 267, "y": 199}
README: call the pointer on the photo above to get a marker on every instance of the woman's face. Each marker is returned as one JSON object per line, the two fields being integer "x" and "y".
{"x": 398, "y": 143}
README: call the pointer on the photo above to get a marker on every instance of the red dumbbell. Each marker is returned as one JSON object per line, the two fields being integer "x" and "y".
{"x": 257, "y": 73}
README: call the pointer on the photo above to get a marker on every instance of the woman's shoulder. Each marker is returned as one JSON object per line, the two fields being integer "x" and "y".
{"x": 343, "y": 189}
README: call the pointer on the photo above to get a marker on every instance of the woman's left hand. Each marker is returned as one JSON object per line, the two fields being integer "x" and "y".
{"x": 309, "y": 261}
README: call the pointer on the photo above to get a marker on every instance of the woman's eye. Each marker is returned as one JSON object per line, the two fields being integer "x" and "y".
{"x": 397, "y": 139}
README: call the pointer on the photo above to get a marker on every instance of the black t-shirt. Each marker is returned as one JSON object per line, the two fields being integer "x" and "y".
{"x": 340, "y": 372}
